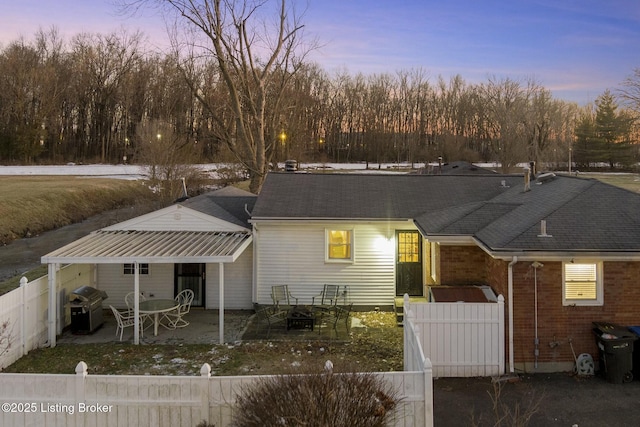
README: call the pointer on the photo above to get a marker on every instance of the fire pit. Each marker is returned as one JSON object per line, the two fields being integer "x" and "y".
{"x": 300, "y": 317}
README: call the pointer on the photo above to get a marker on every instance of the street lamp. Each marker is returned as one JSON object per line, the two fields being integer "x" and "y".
{"x": 283, "y": 138}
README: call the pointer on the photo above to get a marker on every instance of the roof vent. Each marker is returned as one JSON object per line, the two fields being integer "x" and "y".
{"x": 545, "y": 177}
{"x": 543, "y": 229}
{"x": 503, "y": 184}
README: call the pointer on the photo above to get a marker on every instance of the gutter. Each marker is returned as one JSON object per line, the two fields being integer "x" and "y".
{"x": 510, "y": 291}
{"x": 311, "y": 220}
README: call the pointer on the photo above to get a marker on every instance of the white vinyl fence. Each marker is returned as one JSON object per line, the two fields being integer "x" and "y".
{"x": 460, "y": 339}
{"x": 157, "y": 401}
{"x": 25, "y": 311}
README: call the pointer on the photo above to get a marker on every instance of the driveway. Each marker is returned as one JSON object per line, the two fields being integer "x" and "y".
{"x": 24, "y": 254}
{"x": 564, "y": 400}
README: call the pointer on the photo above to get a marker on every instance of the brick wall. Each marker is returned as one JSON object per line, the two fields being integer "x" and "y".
{"x": 462, "y": 265}
{"x": 559, "y": 327}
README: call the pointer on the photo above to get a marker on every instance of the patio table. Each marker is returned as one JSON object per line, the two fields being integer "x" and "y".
{"x": 156, "y": 307}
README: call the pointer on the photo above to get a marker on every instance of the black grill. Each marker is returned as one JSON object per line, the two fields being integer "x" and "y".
{"x": 86, "y": 309}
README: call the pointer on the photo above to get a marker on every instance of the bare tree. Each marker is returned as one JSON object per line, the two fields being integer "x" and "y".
{"x": 630, "y": 94}
{"x": 505, "y": 109}
{"x": 169, "y": 157}
{"x": 257, "y": 45}
{"x": 103, "y": 65}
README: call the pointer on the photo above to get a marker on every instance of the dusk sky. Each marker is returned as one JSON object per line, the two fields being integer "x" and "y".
{"x": 577, "y": 49}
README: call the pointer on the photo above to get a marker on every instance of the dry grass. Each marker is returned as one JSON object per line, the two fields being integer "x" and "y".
{"x": 33, "y": 204}
{"x": 377, "y": 347}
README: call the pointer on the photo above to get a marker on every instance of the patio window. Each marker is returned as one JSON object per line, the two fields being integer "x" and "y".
{"x": 130, "y": 269}
{"x": 339, "y": 245}
{"x": 582, "y": 284}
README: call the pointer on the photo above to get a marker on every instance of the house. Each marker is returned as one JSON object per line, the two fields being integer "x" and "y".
{"x": 563, "y": 251}
{"x": 203, "y": 243}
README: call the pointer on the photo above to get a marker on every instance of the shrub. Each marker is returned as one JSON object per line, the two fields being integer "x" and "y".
{"x": 324, "y": 399}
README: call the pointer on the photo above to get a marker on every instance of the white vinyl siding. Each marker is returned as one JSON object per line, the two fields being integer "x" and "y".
{"x": 112, "y": 280}
{"x": 582, "y": 283}
{"x": 294, "y": 255}
{"x": 237, "y": 283}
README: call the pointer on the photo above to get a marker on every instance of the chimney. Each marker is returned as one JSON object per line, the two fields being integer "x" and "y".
{"x": 527, "y": 179}
{"x": 532, "y": 169}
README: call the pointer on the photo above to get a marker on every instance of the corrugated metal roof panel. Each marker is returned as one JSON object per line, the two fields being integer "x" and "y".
{"x": 110, "y": 246}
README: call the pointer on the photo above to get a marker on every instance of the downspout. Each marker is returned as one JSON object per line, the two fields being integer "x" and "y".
{"x": 514, "y": 260}
{"x": 536, "y": 341}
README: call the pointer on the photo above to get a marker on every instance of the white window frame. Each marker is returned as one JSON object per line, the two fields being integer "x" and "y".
{"x": 143, "y": 268}
{"x": 327, "y": 238}
{"x": 598, "y": 301}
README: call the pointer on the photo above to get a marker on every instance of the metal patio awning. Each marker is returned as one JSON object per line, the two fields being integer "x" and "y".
{"x": 128, "y": 246}
{"x": 140, "y": 246}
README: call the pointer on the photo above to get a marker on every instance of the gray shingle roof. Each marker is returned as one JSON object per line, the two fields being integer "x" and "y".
{"x": 229, "y": 204}
{"x": 363, "y": 196}
{"x": 581, "y": 214}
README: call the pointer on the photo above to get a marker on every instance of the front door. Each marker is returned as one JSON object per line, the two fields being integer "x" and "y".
{"x": 191, "y": 276}
{"x": 408, "y": 263}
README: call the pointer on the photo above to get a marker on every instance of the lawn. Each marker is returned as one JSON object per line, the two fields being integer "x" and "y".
{"x": 377, "y": 347}
{"x": 33, "y": 204}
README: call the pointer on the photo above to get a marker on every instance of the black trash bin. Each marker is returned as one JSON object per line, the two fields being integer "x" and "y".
{"x": 615, "y": 344}
{"x": 636, "y": 354}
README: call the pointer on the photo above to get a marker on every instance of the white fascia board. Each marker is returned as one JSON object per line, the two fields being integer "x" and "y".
{"x": 131, "y": 260}
{"x": 457, "y": 240}
{"x": 323, "y": 220}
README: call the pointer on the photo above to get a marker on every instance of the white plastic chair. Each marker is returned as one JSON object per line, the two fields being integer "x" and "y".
{"x": 175, "y": 318}
{"x": 129, "y": 301}
{"x": 125, "y": 320}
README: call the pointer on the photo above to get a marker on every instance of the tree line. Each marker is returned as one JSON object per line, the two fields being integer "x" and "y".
{"x": 109, "y": 98}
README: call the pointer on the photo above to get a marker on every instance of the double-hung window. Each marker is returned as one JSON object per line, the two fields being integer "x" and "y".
{"x": 582, "y": 283}
{"x": 339, "y": 245}
{"x": 130, "y": 269}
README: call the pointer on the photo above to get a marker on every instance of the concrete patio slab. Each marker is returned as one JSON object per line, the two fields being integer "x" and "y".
{"x": 202, "y": 329}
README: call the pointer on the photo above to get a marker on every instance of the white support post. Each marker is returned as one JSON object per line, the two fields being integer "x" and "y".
{"x": 221, "y": 310}
{"x": 501, "y": 356}
{"x": 53, "y": 303}
{"x": 205, "y": 374}
{"x": 136, "y": 303}
{"x": 428, "y": 393}
{"x": 81, "y": 374}
{"x": 407, "y": 331}
{"x": 23, "y": 315}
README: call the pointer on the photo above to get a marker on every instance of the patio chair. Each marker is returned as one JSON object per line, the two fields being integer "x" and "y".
{"x": 334, "y": 316}
{"x": 328, "y": 297}
{"x": 125, "y": 320}
{"x": 129, "y": 301}
{"x": 175, "y": 319}
{"x": 282, "y": 297}
{"x": 269, "y": 314}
